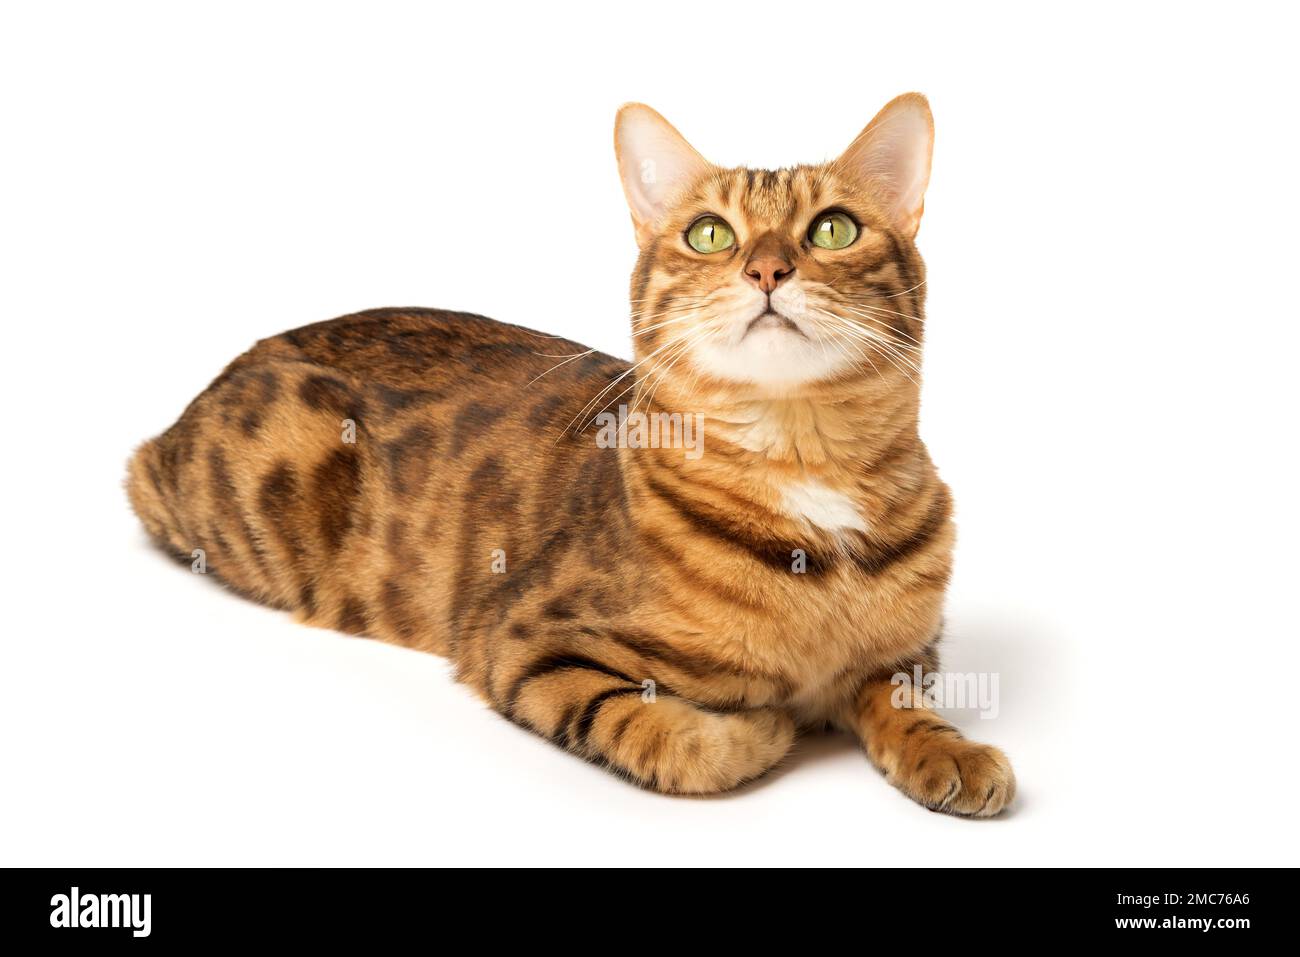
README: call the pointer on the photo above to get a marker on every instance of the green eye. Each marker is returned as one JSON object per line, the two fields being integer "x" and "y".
{"x": 708, "y": 234}
{"x": 833, "y": 231}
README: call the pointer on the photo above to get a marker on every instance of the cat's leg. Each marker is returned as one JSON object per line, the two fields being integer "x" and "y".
{"x": 927, "y": 758}
{"x": 659, "y": 740}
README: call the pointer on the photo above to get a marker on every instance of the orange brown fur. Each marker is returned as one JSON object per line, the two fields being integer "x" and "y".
{"x": 622, "y": 566}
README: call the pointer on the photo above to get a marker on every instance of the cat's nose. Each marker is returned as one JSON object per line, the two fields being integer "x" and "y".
{"x": 766, "y": 272}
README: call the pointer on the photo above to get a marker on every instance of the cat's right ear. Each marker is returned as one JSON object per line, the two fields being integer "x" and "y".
{"x": 655, "y": 162}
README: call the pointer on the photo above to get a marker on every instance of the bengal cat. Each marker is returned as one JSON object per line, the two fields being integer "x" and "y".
{"x": 677, "y": 614}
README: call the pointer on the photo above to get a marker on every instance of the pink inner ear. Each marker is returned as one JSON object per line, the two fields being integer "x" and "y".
{"x": 655, "y": 162}
{"x": 893, "y": 156}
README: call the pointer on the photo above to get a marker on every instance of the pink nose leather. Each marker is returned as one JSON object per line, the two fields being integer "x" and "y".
{"x": 767, "y": 271}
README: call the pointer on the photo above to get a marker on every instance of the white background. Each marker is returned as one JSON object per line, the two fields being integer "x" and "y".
{"x": 1110, "y": 368}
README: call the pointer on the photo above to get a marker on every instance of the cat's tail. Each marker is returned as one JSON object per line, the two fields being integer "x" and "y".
{"x": 147, "y": 489}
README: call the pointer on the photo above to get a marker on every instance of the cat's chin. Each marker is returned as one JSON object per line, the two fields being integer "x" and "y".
{"x": 774, "y": 355}
{"x": 773, "y": 321}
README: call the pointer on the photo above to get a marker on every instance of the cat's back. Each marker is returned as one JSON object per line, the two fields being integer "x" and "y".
{"x": 413, "y": 348}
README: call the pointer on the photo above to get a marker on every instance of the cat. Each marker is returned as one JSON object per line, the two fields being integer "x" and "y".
{"x": 434, "y": 479}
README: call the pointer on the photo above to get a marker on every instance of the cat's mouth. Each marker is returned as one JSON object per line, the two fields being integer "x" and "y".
{"x": 772, "y": 320}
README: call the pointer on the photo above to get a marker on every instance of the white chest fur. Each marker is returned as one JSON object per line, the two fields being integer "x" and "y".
{"x": 822, "y": 506}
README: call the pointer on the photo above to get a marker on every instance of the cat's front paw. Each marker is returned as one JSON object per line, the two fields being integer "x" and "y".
{"x": 945, "y": 772}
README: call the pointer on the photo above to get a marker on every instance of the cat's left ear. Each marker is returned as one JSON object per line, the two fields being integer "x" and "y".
{"x": 655, "y": 162}
{"x": 891, "y": 157}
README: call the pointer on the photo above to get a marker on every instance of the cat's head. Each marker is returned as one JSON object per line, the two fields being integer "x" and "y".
{"x": 778, "y": 281}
